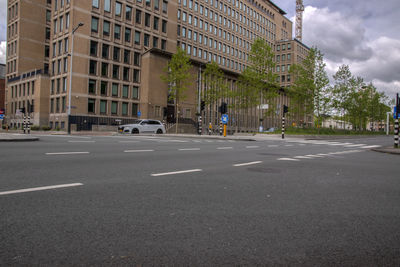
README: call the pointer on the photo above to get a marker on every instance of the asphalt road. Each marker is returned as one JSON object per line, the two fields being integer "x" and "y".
{"x": 145, "y": 200}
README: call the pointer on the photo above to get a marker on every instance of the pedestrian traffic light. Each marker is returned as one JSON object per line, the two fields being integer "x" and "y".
{"x": 23, "y": 110}
{"x": 224, "y": 108}
{"x": 285, "y": 109}
{"x": 203, "y": 105}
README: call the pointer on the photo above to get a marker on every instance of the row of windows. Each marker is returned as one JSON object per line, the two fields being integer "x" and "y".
{"x": 283, "y": 57}
{"x": 288, "y": 45}
{"x": 13, "y": 11}
{"x": 12, "y": 48}
{"x": 58, "y": 50}
{"x": 117, "y": 28}
{"x": 22, "y": 104}
{"x": 282, "y": 68}
{"x": 58, "y": 4}
{"x": 117, "y": 90}
{"x": 105, "y": 68}
{"x": 24, "y": 89}
{"x": 58, "y": 23}
{"x": 112, "y": 107}
{"x": 58, "y": 86}
{"x": 107, "y": 5}
{"x": 13, "y": 29}
{"x": 59, "y": 66}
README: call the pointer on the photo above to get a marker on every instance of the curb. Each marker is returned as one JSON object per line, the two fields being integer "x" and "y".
{"x": 20, "y": 139}
{"x": 387, "y": 150}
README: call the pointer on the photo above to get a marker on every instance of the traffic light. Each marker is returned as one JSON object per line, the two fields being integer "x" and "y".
{"x": 23, "y": 110}
{"x": 224, "y": 108}
{"x": 285, "y": 109}
{"x": 203, "y": 105}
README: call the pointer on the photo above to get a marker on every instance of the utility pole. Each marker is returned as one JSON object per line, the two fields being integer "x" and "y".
{"x": 396, "y": 122}
{"x": 70, "y": 77}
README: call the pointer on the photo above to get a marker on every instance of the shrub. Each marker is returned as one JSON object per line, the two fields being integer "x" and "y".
{"x": 35, "y": 128}
{"x": 46, "y": 128}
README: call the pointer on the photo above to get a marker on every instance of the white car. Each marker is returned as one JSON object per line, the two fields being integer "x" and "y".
{"x": 143, "y": 126}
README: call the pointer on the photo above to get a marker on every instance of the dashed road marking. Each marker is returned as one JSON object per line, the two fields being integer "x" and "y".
{"x": 176, "y": 172}
{"x": 288, "y": 159}
{"x": 252, "y": 146}
{"x": 356, "y": 145}
{"x": 247, "y": 163}
{"x": 138, "y": 151}
{"x": 189, "y": 149}
{"x": 374, "y": 146}
{"x": 39, "y": 188}
{"x": 67, "y": 153}
{"x": 224, "y": 148}
{"x": 81, "y": 141}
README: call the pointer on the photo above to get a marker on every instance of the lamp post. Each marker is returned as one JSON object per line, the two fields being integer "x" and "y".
{"x": 70, "y": 77}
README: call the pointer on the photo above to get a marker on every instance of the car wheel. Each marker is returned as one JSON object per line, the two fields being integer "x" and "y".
{"x": 159, "y": 131}
{"x": 135, "y": 131}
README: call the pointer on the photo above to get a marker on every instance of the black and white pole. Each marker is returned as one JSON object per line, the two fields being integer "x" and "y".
{"x": 29, "y": 124}
{"x": 24, "y": 125}
{"x": 220, "y": 127}
{"x": 283, "y": 126}
{"x": 200, "y": 125}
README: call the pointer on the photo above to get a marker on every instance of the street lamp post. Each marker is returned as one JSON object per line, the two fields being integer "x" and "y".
{"x": 70, "y": 77}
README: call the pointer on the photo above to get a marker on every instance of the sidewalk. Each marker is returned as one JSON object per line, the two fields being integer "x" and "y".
{"x": 15, "y": 137}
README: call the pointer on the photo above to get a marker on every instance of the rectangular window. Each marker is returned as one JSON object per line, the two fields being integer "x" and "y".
{"x": 115, "y": 73}
{"x": 95, "y": 3}
{"x": 155, "y": 23}
{"x": 127, "y": 35}
{"x": 92, "y": 67}
{"x": 137, "y": 38}
{"x": 125, "y": 74}
{"x": 104, "y": 52}
{"x": 147, "y": 20}
{"x": 124, "y": 109}
{"x": 163, "y": 44}
{"x": 107, "y": 5}
{"x": 92, "y": 86}
{"x": 114, "y": 91}
{"x": 106, "y": 28}
{"x": 114, "y": 107}
{"x": 156, "y": 4}
{"x": 103, "y": 88}
{"x": 135, "y": 109}
{"x": 95, "y": 24}
{"x": 91, "y": 105}
{"x": 117, "y": 31}
{"x": 136, "y": 76}
{"x": 148, "y": 3}
{"x": 118, "y": 8}
{"x": 104, "y": 69}
{"x": 135, "y": 92}
{"x": 155, "y": 42}
{"x": 164, "y": 6}
{"x": 93, "y": 48}
{"x": 146, "y": 39}
{"x": 138, "y": 18}
{"x": 128, "y": 13}
{"x": 127, "y": 55}
{"x": 116, "y": 52}
{"x": 103, "y": 106}
{"x": 125, "y": 91}
{"x": 164, "y": 26}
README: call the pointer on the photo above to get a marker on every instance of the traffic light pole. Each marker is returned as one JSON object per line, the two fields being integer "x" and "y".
{"x": 283, "y": 126}
{"x": 396, "y": 123}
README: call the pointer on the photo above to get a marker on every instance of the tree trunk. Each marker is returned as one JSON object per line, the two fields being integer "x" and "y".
{"x": 176, "y": 118}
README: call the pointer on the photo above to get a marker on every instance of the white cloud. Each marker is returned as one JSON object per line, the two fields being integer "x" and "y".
{"x": 3, "y": 46}
{"x": 343, "y": 40}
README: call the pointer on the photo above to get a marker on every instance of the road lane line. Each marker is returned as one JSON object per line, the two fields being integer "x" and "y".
{"x": 302, "y": 157}
{"x": 176, "y": 172}
{"x": 189, "y": 149}
{"x": 224, "y": 147}
{"x": 128, "y": 141}
{"x": 246, "y": 164}
{"x": 67, "y": 153}
{"x": 375, "y": 146}
{"x": 314, "y": 156}
{"x": 252, "y": 146}
{"x": 288, "y": 145}
{"x": 356, "y": 145}
{"x": 138, "y": 151}
{"x": 288, "y": 159}
{"x": 272, "y": 145}
{"x": 81, "y": 141}
{"x": 39, "y": 188}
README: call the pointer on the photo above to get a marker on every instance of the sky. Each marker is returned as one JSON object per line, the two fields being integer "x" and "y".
{"x": 364, "y": 34}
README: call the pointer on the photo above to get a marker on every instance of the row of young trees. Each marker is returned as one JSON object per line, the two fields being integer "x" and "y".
{"x": 349, "y": 97}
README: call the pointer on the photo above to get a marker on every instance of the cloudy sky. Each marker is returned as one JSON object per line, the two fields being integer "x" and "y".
{"x": 365, "y": 34}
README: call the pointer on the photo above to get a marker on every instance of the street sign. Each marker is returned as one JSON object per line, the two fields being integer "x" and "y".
{"x": 1, "y": 116}
{"x": 139, "y": 113}
{"x": 224, "y": 118}
{"x": 263, "y": 106}
{"x": 2, "y": 111}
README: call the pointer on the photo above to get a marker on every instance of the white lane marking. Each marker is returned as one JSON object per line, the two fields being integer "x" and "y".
{"x": 272, "y": 145}
{"x": 314, "y": 156}
{"x": 67, "y": 153}
{"x": 301, "y": 144}
{"x": 176, "y": 172}
{"x": 138, "y": 151}
{"x": 196, "y": 141}
{"x": 208, "y": 141}
{"x": 189, "y": 149}
{"x": 81, "y": 141}
{"x": 39, "y": 188}
{"x": 252, "y": 146}
{"x": 340, "y": 144}
{"x": 225, "y": 147}
{"x": 246, "y": 164}
{"x": 288, "y": 159}
{"x": 288, "y": 145}
{"x": 323, "y": 155}
{"x": 128, "y": 141}
{"x": 375, "y": 146}
{"x": 356, "y": 145}
{"x": 302, "y": 157}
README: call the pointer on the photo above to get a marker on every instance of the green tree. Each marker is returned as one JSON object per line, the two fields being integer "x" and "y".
{"x": 214, "y": 83}
{"x": 257, "y": 81}
{"x": 178, "y": 78}
{"x": 342, "y": 90}
{"x": 309, "y": 93}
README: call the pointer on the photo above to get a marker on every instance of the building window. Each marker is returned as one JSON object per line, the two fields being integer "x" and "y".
{"x": 163, "y": 44}
{"x": 138, "y": 18}
{"x": 92, "y": 86}
{"x": 128, "y": 13}
{"x": 91, "y": 105}
{"x": 135, "y": 109}
{"x": 107, "y": 5}
{"x": 156, "y": 4}
{"x": 117, "y": 31}
{"x": 118, "y": 8}
{"x": 147, "y": 20}
{"x": 104, "y": 69}
{"x": 146, "y": 39}
{"x": 114, "y": 107}
{"x": 148, "y": 3}
{"x": 103, "y": 88}
{"x": 136, "y": 76}
{"x": 104, "y": 52}
{"x": 92, "y": 67}
{"x": 125, "y": 91}
{"x": 116, "y": 53}
{"x": 155, "y": 42}
{"x": 164, "y": 6}
{"x": 124, "y": 109}
{"x": 125, "y": 74}
{"x": 95, "y": 24}
{"x": 103, "y": 106}
{"x": 115, "y": 73}
{"x": 155, "y": 23}
{"x": 135, "y": 92}
{"x": 95, "y": 3}
{"x": 93, "y": 48}
{"x": 114, "y": 91}
{"x": 127, "y": 55}
{"x": 106, "y": 28}
{"x": 137, "y": 37}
